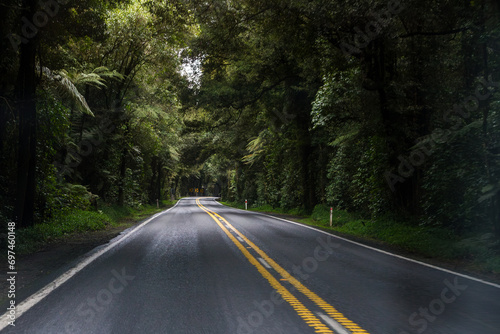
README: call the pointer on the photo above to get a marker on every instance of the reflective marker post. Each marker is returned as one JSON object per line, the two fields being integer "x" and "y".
{"x": 246, "y": 205}
{"x": 331, "y": 216}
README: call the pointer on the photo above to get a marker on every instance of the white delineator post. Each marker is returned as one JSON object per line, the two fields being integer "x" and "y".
{"x": 331, "y": 216}
{"x": 246, "y": 205}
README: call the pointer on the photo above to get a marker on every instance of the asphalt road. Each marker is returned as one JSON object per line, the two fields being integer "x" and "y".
{"x": 204, "y": 268}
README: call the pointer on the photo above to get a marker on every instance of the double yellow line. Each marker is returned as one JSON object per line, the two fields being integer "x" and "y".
{"x": 301, "y": 310}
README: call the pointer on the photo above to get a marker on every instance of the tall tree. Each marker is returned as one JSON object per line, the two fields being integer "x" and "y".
{"x": 26, "y": 95}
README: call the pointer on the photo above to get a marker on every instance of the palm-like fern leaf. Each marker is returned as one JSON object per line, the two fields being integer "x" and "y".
{"x": 66, "y": 87}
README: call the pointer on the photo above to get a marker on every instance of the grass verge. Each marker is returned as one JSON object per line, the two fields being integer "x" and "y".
{"x": 32, "y": 239}
{"x": 478, "y": 252}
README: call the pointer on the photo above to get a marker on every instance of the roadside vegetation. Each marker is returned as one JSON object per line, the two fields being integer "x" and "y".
{"x": 71, "y": 222}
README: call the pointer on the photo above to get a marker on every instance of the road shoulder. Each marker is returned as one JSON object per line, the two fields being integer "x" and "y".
{"x": 460, "y": 266}
{"x": 46, "y": 263}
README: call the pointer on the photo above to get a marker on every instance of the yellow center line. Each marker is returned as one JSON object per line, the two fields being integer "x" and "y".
{"x": 301, "y": 310}
{"x": 330, "y": 310}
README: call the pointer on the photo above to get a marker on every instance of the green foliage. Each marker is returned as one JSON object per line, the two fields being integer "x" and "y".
{"x": 115, "y": 212}
{"x": 71, "y": 221}
{"x": 292, "y": 190}
{"x": 337, "y": 122}
{"x": 54, "y": 195}
{"x": 492, "y": 265}
{"x": 338, "y": 190}
{"x": 272, "y": 176}
{"x": 355, "y": 171}
{"x": 66, "y": 197}
{"x": 453, "y": 189}
{"x": 371, "y": 195}
{"x": 340, "y": 97}
{"x": 481, "y": 247}
{"x": 321, "y": 215}
{"x": 79, "y": 221}
{"x": 256, "y": 148}
{"x": 66, "y": 88}
{"x": 424, "y": 241}
{"x": 76, "y": 221}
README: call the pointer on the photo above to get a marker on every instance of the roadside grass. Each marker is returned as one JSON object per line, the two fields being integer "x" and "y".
{"x": 478, "y": 251}
{"x": 425, "y": 241}
{"x": 32, "y": 239}
{"x": 119, "y": 214}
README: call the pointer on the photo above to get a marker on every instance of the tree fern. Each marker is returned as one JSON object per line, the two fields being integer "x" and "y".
{"x": 60, "y": 81}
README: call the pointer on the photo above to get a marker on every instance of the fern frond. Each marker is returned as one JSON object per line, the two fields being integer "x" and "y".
{"x": 348, "y": 134}
{"x": 66, "y": 87}
{"x": 256, "y": 147}
{"x": 104, "y": 72}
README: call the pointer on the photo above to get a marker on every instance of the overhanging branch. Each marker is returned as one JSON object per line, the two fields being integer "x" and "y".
{"x": 434, "y": 33}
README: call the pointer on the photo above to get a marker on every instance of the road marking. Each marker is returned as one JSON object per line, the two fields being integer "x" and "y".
{"x": 376, "y": 249}
{"x": 264, "y": 263}
{"x": 35, "y": 298}
{"x": 329, "y": 309}
{"x": 309, "y": 318}
{"x": 333, "y": 324}
{"x": 241, "y": 240}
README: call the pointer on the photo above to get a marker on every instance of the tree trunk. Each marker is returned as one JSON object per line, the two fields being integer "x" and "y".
{"x": 26, "y": 89}
{"x": 153, "y": 194}
{"x": 121, "y": 184}
{"x": 159, "y": 182}
{"x": 123, "y": 164}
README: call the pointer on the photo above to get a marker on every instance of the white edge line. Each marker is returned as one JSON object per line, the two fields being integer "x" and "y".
{"x": 378, "y": 250}
{"x": 338, "y": 328}
{"x": 32, "y": 300}
{"x": 264, "y": 263}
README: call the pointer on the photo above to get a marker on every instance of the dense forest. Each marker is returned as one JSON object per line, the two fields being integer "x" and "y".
{"x": 382, "y": 108}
